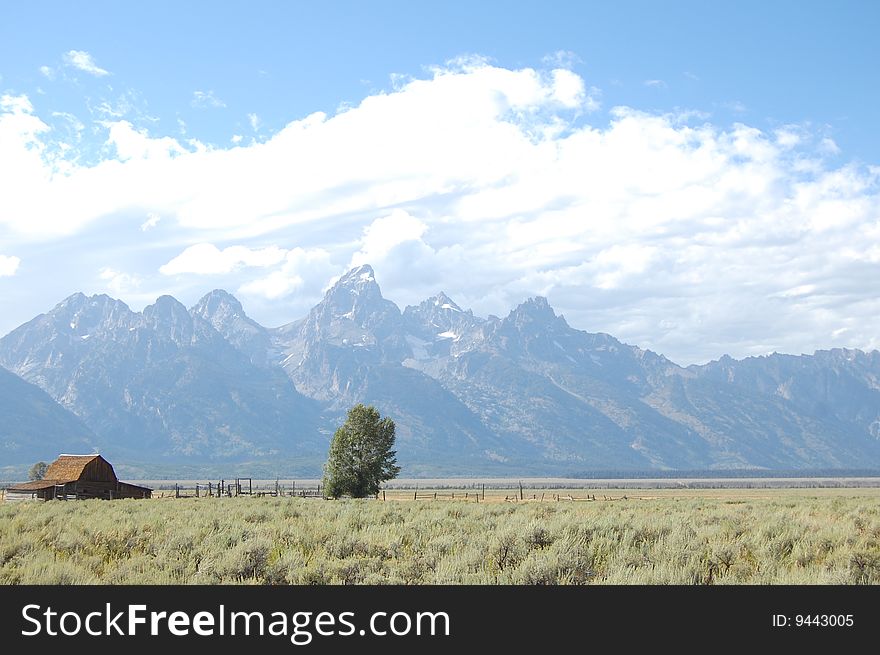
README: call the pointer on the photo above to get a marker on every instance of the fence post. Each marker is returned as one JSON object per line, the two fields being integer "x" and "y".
{"x": 520, "y": 490}
{"x": 484, "y": 492}
{"x": 415, "y": 495}
{"x": 176, "y": 490}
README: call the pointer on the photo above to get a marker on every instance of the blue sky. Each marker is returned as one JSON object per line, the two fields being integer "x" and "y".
{"x": 696, "y": 178}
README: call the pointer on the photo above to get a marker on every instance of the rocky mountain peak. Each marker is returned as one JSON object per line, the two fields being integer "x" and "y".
{"x": 73, "y": 301}
{"x": 443, "y": 301}
{"x": 169, "y": 318}
{"x": 82, "y": 315}
{"x": 166, "y": 308}
{"x": 359, "y": 276}
{"x": 534, "y": 313}
{"x": 441, "y": 304}
{"x": 217, "y": 302}
{"x": 225, "y": 314}
{"x": 526, "y": 390}
{"x": 355, "y": 297}
{"x": 439, "y": 317}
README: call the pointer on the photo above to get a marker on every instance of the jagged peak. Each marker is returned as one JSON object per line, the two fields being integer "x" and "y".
{"x": 79, "y": 298}
{"x": 440, "y": 302}
{"x": 79, "y": 303}
{"x": 73, "y": 299}
{"x": 359, "y": 281}
{"x": 165, "y": 304}
{"x": 211, "y": 301}
{"x": 443, "y": 301}
{"x": 536, "y": 307}
{"x": 359, "y": 275}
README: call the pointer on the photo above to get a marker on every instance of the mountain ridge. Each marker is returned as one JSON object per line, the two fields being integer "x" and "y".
{"x": 527, "y": 391}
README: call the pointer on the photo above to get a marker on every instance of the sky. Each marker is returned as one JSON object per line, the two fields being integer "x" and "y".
{"x": 695, "y": 178}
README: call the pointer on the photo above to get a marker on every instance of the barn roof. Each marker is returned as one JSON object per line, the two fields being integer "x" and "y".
{"x": 133, "y": 487}
{"x": 68, "y": 468}
{"x": 35, "y": 485}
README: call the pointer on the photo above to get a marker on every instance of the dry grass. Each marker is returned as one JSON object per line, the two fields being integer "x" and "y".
{"x": 782, "y": 537}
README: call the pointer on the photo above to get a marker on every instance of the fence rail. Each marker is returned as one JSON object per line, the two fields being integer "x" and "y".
{"x": 234, "y": 488}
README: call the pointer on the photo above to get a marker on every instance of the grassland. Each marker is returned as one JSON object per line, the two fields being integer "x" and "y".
{"x": 804, "y": 536}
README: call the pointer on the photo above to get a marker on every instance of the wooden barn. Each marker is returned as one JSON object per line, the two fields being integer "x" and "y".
{"x": 77, "y": 477}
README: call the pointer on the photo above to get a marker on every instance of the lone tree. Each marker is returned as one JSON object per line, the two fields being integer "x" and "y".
{"x": 361, "y": 456}
{"x": 37, "y": 471}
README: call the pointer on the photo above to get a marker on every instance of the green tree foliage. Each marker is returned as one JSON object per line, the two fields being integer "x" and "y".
{"x": 37, "y": 471}
{"x": 361, "y": 456}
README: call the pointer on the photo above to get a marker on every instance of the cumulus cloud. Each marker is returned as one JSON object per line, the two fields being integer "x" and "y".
{"x": 301, "y": 267}
{"x": 664, "y": 229}
{"x": 82, "y": 60}
{"x": 117, "y": 282}
{"x": 207, "y": 259}
{"x": 8, "y": 265}
{"x": 383, "y": 234}
{"x": 133, "y": 143}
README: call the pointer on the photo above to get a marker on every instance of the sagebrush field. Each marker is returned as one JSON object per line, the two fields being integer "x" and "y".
{"x": 787, "y": 537}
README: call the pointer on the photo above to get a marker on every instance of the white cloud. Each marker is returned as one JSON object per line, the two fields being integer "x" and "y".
{"x": 562, "y": 59}
{"x": 151, "y": 222}
{"x": 8, "y": 265}
{"x": 16, "y": 104}
{"x": 477, "y": 180}
{"x": 828, "y": 146}
{"x": 254, "y": 120}
{"x": 383, "y": 234}
{"x": 236, "y": 139}
{"x": 133, "y": 143}
{"x": 300, "y": 267}
{"x": 657, "y": 84}
{"x": 800, "y": 290}
{"x": 118, "y": 283}
{"x": 275, "y": 285}
{"x": 207, "y": 259}
{"x": 204, "y": 99}
{"x": 617, "y": 262}
{"x": 568, "y": 88}
{"x": 82, "y": 60}
{"x": 48, "y": 72}
{"x": 788, "y": 136}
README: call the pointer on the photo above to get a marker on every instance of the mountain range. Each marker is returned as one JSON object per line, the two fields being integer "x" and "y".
{"x": 523, "y": 394}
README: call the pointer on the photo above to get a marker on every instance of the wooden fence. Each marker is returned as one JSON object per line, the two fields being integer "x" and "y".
{"x": 235, "y": 488}
{"x": 437, "y": 495}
